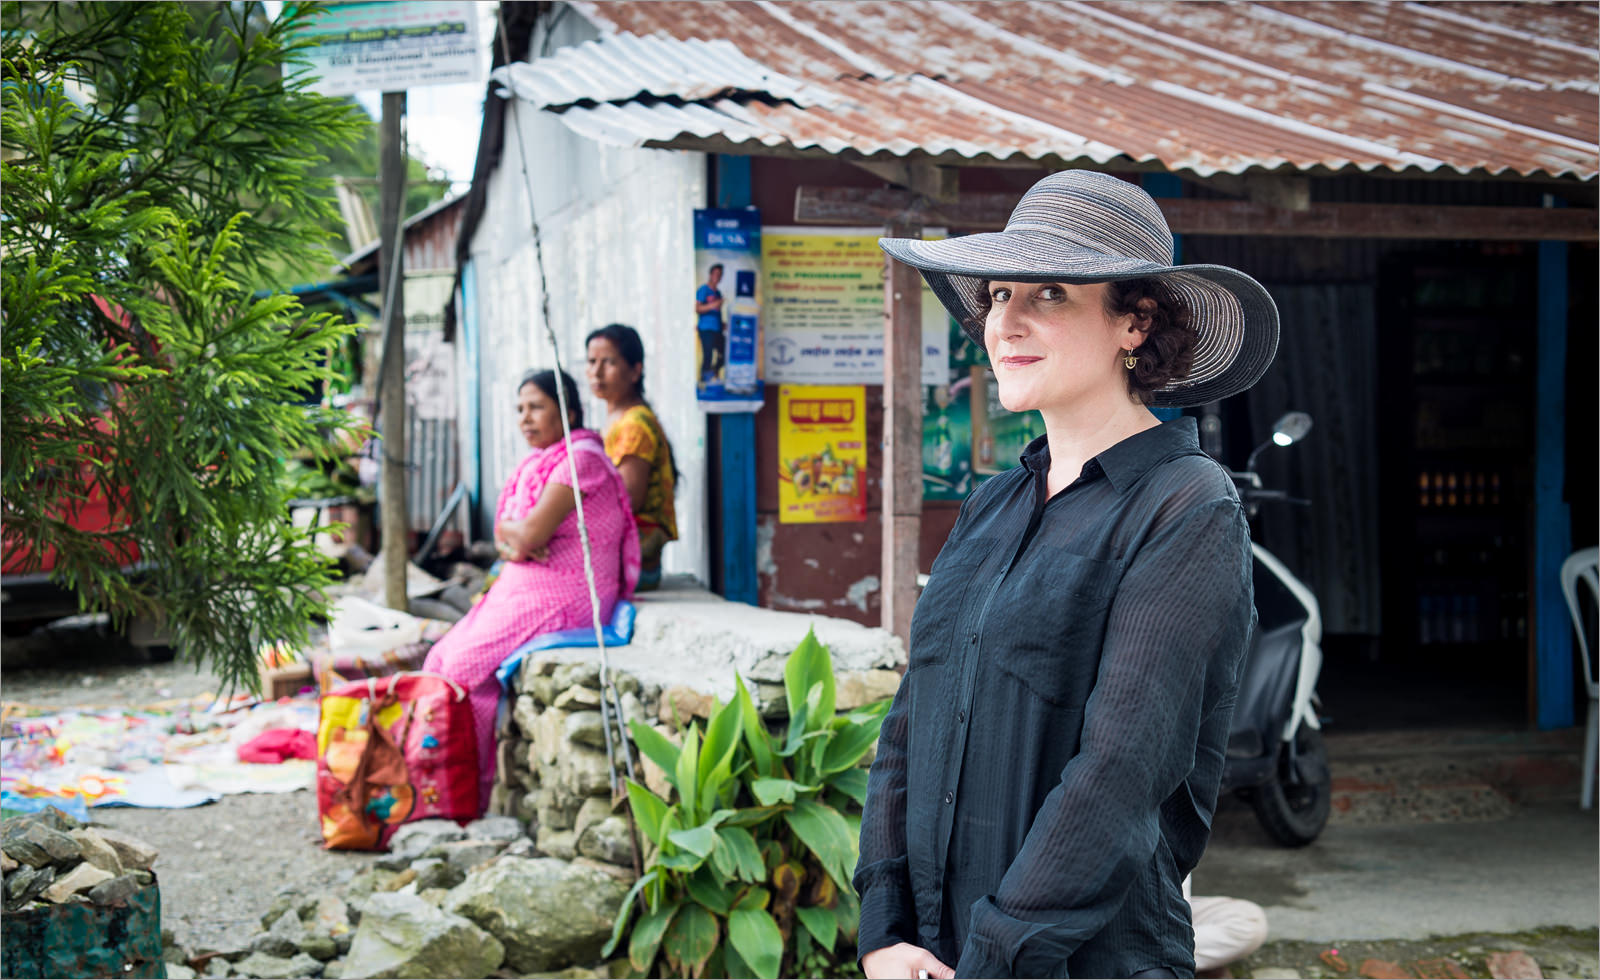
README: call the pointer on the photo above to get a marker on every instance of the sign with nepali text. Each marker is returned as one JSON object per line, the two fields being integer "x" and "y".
{"x": 391, "y": 47}
{"x": 822, "y": 454}
{"x": 825, "y": 308}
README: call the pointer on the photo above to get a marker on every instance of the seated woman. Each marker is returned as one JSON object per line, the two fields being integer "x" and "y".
{"x": 635, "y": 442}
{"x": 542, "y": 587}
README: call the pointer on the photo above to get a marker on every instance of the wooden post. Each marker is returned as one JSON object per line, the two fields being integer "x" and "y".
{"x": 392, "y": 386}
{"x": 902, "y": 432}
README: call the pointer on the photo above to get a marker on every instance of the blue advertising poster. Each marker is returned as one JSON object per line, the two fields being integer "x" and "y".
{"x": 727, "y": 309}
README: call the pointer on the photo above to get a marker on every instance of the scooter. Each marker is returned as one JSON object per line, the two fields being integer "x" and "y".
{"x": 1276, "y": 759}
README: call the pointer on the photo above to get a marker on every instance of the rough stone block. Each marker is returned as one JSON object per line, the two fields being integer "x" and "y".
{"x": 577, "y": 698}
{"x": 527, "y": 810}
{"x": 131, "y": 851}
{"x": 549, "y": 914}
{"x": 36, "y": 844}
{"x": 585, "y": 772}
{"x": 862, "y": 687}
{"x": 504, "y": 829}
{"x": 116, "y": 891}
{"x": 585, "y": 728}
{"x": 773, "y": 701}
{"x": 577, "y": 674}
{"x": 318, "y": 947}
{"x": 608, "y": 841}
{"x": 80, "y": 879}
{"x": 436, "y": 872}
{"x": 593, "y": 810}
{"x": 525, "y": 713}
{"x": 562, "y": 844}
{"x": 503, "y": 799}
{"x": 404, "y": 936}
{"x": 548, "y": 737}
{"x": 96, "y": 851}
{"x": 684, "y": 703}
{"x": 283, "y": 939}
{"x": 466, "y": 854}
{"x": 543, "y": 690}
{"x": 268, "y": 966}
{"x": 1514, "y": 965}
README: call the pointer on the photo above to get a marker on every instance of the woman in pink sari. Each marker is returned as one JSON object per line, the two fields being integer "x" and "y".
{"x": 542, "y": 587}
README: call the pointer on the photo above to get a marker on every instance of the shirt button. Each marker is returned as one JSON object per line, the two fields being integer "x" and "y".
{"x": 949, "y": 797}
{"x": 961, "y": 717}
{"x": 972, "y": 638}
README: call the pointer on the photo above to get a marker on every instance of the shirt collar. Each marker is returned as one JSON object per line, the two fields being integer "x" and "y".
{"x": 1124, "y": 463}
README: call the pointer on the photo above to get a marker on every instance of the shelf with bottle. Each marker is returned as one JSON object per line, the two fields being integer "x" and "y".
{"x": 1458, "y": 489}
{"x": 1471, "y": 617}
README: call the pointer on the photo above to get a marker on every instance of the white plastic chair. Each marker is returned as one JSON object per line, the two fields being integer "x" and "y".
{"x": 1581, "y": 566}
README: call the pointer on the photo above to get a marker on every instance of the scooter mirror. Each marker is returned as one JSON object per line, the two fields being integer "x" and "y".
{"x": 1291, "y": 428}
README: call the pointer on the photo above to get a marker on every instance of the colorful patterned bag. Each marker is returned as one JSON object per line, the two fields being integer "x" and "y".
{"x": 392, "y": 750}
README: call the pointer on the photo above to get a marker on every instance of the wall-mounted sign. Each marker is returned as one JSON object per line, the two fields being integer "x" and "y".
{"x": 390, "y": 47}
{"x": 822, "y": 454}
{"x": 727, "y": 309}
{"x": 824, "y": 308}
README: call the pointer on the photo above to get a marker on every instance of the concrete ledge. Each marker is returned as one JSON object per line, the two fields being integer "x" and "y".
{"x": 689, "y": 637}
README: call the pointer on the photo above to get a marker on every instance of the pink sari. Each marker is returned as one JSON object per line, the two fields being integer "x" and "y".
{"x": 534, "y": 597}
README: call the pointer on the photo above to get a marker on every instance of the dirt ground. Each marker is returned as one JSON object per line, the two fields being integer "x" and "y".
{"x": 220, "y": 864}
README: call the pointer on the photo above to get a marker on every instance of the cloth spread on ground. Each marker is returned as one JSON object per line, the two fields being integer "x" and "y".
{"x": 172, "y": 754}
{"x": 278, "y": 744}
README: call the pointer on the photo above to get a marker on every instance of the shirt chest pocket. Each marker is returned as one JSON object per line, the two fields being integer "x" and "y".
{"x": 1057, "y": 605}
{"x": 940, "y": 606}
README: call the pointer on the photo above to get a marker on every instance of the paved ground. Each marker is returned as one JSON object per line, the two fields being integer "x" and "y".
{"x": 1453, "y": 845}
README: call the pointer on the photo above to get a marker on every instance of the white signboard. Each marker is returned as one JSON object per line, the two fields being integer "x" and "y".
{"x": 430, "y": 362}
{"x": 390, "y": 47}
{"x": 824, "y": 309}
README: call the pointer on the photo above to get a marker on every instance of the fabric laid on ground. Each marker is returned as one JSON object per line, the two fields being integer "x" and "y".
{"x": 171, "y": 755}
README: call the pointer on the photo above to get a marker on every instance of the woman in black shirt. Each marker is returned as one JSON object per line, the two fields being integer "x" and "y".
{"x": 1047, "y": 775}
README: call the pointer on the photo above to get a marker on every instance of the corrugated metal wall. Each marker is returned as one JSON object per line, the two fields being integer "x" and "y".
{"x": 617, "y": 231}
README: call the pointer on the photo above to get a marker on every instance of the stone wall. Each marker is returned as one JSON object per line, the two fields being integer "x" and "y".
{"x": 551, "y": 768}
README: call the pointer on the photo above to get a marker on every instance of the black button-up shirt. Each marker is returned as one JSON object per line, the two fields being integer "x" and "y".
{"x": 1047, "y": 775}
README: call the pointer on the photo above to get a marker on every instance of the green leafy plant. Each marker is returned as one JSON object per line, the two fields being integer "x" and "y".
{"x": 748, "y": 865}
{"x": 156, "y": 169}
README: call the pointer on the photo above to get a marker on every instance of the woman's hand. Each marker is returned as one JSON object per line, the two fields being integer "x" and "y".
{"x": 903, "y": 960}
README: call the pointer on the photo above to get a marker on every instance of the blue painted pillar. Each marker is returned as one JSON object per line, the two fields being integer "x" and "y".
{"x": 737, "y": 436}
{"x": 1552, "y": 625}
{"x": 1166, "y": 185}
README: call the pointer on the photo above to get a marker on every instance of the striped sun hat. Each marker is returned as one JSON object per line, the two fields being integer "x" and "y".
{"x": 1080, "y": 226}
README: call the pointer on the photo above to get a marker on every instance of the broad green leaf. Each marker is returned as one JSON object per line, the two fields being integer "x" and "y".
{"x": 627, "y": 909}
{"x": 657, "y": 748}
{"x": 698, "y": 840}
{"x": 824, "y": 831}
{"x": 687, "y": 773}
{"x": 868, "y": 713}
{"x": 771, "y": 792}
{"x": 852, "y": 783}
{"x": 739, "y": 846}
{"x": 736, "y": 966}
{"x": 646, "y": 937}
{"x": 847, "y": 747}
{"x": 756, "y": 735}
{"x": 685, "y": 861}
{"x": 750, "y": 816}
{"x": 810, "y": 664}
{"x": 723, "y": 859}
{"x": 755, "y": 937}
{"x": 648, "y": 811}
{"x": 753, "y": 898}
{"x": 692, "y": 937}
{"x": 704, "y": 887}
{"x": 824, "y": 928}
{"x": 716, "y": 754}
{"x": 847, "y": 913}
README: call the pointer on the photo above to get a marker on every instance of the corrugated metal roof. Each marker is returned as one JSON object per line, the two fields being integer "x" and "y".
{"x": 624, "y": 67}
{"x": 1201, "y": 87}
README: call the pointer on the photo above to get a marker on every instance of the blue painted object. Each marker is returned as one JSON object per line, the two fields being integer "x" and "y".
{"x": 619, "y": 632}
{"x": 1166, "y": 185}
{"x": 468, "y": 323}
{"x": 1552, "y": 519}
{"x": 737, "y": 464}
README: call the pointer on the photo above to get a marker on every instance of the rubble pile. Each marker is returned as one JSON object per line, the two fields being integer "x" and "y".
{"x": 50, "y": 858}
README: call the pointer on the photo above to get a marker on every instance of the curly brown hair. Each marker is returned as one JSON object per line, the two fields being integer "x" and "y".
{"x": 1167, "y": 353}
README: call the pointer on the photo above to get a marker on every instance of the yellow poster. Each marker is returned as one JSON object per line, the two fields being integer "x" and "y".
{"x": 822, "y": 454}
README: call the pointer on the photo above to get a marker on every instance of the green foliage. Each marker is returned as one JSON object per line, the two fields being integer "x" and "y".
{"x": 747, "y": 869}
{"x": 156, "y": 164}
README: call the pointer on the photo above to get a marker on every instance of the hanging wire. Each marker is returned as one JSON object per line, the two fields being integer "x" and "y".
{"x": 610, "y": 703}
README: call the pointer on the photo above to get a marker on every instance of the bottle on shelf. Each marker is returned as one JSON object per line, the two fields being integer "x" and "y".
{"x": 1423, "y": 497}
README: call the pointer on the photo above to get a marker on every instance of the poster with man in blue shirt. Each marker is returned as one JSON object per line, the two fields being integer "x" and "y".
{"x": 727, "y": 247}
{"x": 708, "y": 307}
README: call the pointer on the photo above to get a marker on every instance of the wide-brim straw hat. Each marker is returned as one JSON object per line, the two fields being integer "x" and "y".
{"x": 1080, "y": 226}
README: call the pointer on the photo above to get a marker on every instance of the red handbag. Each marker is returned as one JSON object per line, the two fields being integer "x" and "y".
{"x": 392, "y": 750}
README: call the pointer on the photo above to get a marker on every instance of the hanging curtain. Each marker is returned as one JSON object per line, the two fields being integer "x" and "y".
{"x": 1327, "y": 366}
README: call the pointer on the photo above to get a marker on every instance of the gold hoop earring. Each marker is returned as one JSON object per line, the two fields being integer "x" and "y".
{"x": 1129, "y": 359}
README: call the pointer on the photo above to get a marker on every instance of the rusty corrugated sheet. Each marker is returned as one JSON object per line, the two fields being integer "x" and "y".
{"x": 1200, "y": 87}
